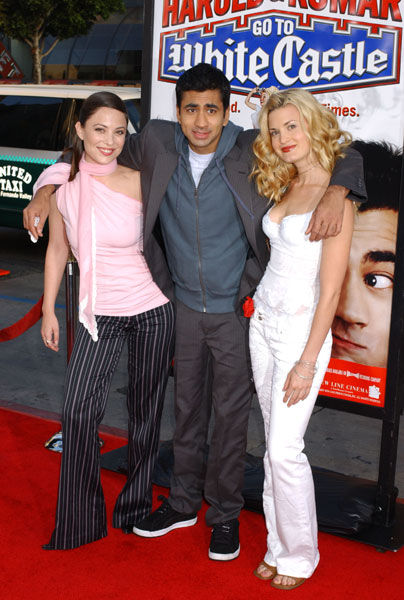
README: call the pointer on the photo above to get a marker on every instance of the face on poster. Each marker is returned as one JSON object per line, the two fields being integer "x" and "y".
{"x": 361, "y": 326}
{"x": 347, "y": 53}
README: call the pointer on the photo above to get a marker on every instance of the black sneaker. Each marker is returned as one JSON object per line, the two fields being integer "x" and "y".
{"x": 163, "y": 520}
{"x": 224, "y": 543}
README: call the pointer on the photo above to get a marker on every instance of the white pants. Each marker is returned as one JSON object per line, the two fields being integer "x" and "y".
{"x": 276, "y": 343}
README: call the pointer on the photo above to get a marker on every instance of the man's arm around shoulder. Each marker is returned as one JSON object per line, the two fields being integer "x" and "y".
{"x": 347, "y": 181}
{"x": 37, "y": 211}
{"x": 155, "y": 132}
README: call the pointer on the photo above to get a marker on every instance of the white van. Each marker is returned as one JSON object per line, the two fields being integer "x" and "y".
{"x": 36, "y": 122}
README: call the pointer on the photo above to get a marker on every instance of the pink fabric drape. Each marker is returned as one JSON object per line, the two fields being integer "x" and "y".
{"x": 82, "y": 221}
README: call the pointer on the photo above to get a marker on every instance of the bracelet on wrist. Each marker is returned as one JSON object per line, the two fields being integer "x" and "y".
{"x": 309, "y": 378}
{"x": 310, "y": 366}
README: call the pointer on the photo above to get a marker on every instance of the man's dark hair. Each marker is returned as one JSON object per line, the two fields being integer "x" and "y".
{"x": 382, "y": 168}
{"x": 203, "y": 77}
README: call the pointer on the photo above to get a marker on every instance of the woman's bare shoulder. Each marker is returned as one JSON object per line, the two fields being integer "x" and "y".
{"x": 127, "y": 173}
{"x": 126, "y": 181}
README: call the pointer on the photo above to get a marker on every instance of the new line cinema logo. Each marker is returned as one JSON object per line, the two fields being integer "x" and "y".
{"x": 286, "y": 49}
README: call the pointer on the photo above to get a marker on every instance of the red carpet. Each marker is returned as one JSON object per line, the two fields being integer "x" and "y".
{"x": 175, "y": 567}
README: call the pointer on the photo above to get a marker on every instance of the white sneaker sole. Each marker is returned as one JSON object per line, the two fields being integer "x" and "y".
{"x": 217, "y": 556}
{"x": 159, "y": 532}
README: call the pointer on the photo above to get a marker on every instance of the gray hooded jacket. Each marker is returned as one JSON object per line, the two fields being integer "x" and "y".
{"x": 204, "y": 237}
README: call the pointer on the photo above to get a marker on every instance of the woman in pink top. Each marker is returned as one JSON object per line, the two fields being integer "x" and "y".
{"x": 97, "y": 212}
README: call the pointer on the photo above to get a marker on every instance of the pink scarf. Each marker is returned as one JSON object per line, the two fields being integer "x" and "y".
{"x": 83, "y": 221}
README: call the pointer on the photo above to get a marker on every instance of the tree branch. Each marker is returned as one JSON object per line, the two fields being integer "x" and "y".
{"x": 28, "y": 42}
{"x": 49, "y": 50}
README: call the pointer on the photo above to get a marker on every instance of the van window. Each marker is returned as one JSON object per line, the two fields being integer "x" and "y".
{"x": 31, "y": 122}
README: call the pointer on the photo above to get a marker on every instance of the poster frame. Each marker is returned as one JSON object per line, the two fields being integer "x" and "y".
{"x": 393, "y": 389}
{"x": 386, "y": 508}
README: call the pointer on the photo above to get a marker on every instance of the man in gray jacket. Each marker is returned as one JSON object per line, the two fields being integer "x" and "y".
{"x": 205, "y": 247}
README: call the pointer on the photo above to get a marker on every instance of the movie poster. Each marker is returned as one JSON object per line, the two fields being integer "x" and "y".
{"x": 347, "y": 53}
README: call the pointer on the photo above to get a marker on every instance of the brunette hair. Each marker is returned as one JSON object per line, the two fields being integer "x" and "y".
{"x": 89, "y": 107}
{"x": 327, "y": 140}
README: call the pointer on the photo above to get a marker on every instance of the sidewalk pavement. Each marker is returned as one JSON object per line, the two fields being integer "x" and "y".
{"x": 33, "y": 376}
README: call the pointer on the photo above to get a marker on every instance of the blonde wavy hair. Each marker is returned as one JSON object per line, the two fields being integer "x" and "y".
{"x": 272, "y": 175}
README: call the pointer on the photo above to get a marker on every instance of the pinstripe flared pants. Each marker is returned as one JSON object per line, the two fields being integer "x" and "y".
{"x": 81, "y": 515}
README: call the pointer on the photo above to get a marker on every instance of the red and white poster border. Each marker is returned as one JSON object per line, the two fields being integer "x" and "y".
{"x": 346, "y": 52}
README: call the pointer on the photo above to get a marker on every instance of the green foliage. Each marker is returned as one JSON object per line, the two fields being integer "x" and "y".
{"x": 26, "y": 19}
{"x": 32, "y": 20}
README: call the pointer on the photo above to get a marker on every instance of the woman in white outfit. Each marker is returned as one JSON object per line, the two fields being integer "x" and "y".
{"x": 263, "y": 93}
{"x": 290, "y": 337}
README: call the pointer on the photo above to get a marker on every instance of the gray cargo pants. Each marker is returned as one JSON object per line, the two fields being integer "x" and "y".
{"x": 213, "y": 345}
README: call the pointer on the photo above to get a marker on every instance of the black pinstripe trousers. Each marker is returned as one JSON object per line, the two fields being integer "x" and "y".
{"x": 80, "y": 514}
